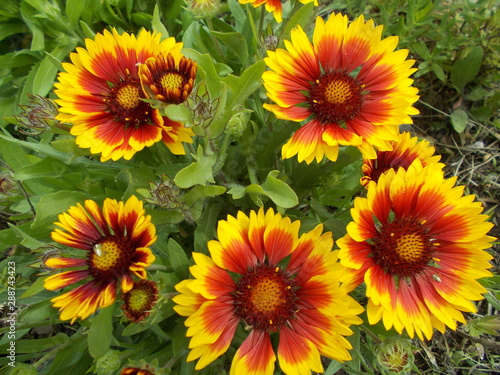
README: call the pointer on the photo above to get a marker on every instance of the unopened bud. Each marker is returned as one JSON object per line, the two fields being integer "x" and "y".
{"x": 203, "y": 8}
{"x": 237, "y": 124}
{"x": 395, "y": 356}
{"x": 37, "y": 116}
{"x": 109, "y": 363}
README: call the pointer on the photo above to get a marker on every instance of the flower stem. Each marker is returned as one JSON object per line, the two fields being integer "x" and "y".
{"x": 160, "y": 267}
{"x": 370, "y": 333}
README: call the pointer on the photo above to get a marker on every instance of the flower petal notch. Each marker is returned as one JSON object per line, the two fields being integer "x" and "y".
{"x": 100, "y": 94}
{"x": 116, "y": 243}
{"x": 351, "y": 85}
{"x": 418, "y": 244}
{"x": 263, "y": 275}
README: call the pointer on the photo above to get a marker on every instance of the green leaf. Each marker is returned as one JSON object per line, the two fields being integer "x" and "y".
{"x": 206, "y": 71}
{"x": 47, "y": 167}
{"x": 237, "y": 13}
{"x": 89, "y": 33}
{"x": 13, "y": 154}
{"x": 132, "y": 179}
{"x": 459, "y": 119}
{"x": 300, "y": 17}
{"x": 199, "y": 192}
{"x": 74, "y": 9}
{"x": 240, "y": 88}
{"x": 27, "y": 240}
{"x": 166, "y": 217}
{"x": 198, "y": 172}
{"x": 35, "y": 288}
{"x": 179, "y": 112}
{"x": 39, "y": 345}
{"x": 157, "y": 24}
{"x": 465, "y": 69}
{"x": 438, "y": 71}
{"x": 44, "y": 78}
{"x": 178, "y": 259}
{"x": 101, "y": 332}
{"x": 279, "y": 191}
{"x": 51, "y": 205}
{"x": 10, "y": 28}
{"x": 421, "y": 49}
{"x": 235, "y": 42}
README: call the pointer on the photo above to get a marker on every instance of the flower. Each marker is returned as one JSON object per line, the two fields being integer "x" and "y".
{"x": 351, "y": 84}
{"x": 168, "y": 78}
{"x": 404, "y": 151}
{"x": 263, "y": 275}
{"x": 418, "y": 244}
{"x": 140, "y": 300}
{"x": 116, "y": 241}
{"x": 273, "y": 6}
{"x": 101, "y": 95}
{"x": 135, "y": 371}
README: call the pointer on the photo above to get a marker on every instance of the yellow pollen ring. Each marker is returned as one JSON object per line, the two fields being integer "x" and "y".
{"x": 410, "y": 247}
{"x": 106, "y": 255}
{"x": 338, "y": 92}
{"x": 128, "y": 96}
{"x": 171, "y": 81}
{"x": 267, "y": 295}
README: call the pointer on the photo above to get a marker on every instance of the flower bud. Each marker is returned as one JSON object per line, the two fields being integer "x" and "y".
{"x": 37, "y": 116}
{"x": 109, "y": 363}
{"x": 203, "y": 8}
{"x": 395, "y": 356}
{"x": 237, "y": 124}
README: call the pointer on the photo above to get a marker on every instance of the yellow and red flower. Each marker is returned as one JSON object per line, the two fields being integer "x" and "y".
{"x": 116, "y": 240}
{"x": 418, "y": 244}
{"x": 273, "y": 6}
{"x": 404, "y": 151}
{"x": 168, "y": 78}
{"x": 135, "y": 371}
{"x": 101, "y": 95}
{"x": 262, "y": 274}
{"x": 139, "y": 300}
{"x": 351, "y": 84}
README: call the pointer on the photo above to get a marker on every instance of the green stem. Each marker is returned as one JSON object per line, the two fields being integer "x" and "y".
{"x": 160, "y": 267}
{"x": 370, "y": 333}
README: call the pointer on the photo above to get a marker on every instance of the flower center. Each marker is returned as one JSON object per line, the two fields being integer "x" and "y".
{"x": 128, "y": 96}
{"x": 403, "y": 248}
{"x": 171, "y": 81}
{"x": 335, "y": 97}
{"x": 265, "y": 298}
{"x": 110, "y": 258}
{"x": 140, "y": 300}
{"x": 125, "y": 104}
